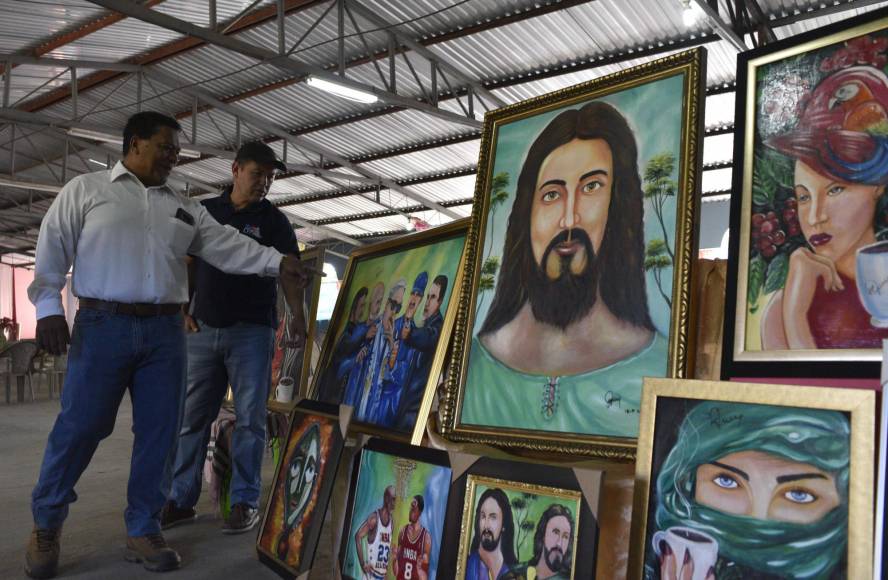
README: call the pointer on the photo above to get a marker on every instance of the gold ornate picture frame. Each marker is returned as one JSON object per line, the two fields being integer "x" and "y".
{"x": 744, "y": 479}
{"x": 809, "y": 193}
{"x": 598, "y": 179}
{"x": 386, "y": 342}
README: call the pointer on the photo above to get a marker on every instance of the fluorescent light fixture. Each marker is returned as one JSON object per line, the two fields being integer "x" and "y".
{"x": 102, "y": 163}
{"x": 340, "y": 90}
{"x": 95, "y": 135}
{"x": 118, "y": 139}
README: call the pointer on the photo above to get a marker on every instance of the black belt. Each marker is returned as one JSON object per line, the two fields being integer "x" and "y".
{"x": 139, "y": 309}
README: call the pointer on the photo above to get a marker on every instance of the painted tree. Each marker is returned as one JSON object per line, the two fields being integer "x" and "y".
{"x": 656, "y": 259}
{"x": 498, "y": 196}
{"x": 523, "y": 527}
{"x": 659, "y": 187}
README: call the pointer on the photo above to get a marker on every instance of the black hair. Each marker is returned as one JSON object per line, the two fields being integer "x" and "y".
{"x": 420, "y": 502}
{"x": 144, "y": 125}
{"x": 441, "y": 282}
{"x": 621, "y": 281}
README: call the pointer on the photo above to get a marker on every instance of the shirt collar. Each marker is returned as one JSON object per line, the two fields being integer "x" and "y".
{"x": 120, "y": 170}
{"x": 252, "y": 208}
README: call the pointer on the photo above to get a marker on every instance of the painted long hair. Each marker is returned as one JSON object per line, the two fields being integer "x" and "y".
{"x": 539, "y": 536}
{"x": 507, "y": 535}
{"x": 621, "y": 256}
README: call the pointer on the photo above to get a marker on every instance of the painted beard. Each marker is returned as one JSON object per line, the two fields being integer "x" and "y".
{"x": 488, "y": 542}
{"x": 563, "y": 300}
{"x": 554, "y": 559}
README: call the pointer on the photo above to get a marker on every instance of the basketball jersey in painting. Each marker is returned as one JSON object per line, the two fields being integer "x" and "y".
{"x": 410, "y": 554}
{"x": 378, "y": 550}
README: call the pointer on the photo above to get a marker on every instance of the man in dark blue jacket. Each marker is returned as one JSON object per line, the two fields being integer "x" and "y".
{"x": 231, "y": 330}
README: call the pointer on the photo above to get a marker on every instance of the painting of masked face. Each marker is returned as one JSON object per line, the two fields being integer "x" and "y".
{"x": 302, "y": 474}
{"x": 301, "y": 490}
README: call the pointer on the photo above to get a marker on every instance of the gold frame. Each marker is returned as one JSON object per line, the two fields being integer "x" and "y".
{"x": 466, "y": 525}
{"x": 859, "y": 403}
{"x": 691, "y": 64}
{"x": 371, "y": 251}
{"x": 741, "y": 263}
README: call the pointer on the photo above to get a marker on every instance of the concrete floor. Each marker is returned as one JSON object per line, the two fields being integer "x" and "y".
{"x": 94, "y": 535}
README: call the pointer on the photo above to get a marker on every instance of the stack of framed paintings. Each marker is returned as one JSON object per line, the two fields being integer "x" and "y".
{"x": 578, "y": 262}
{"x": 300, "y": 494}
{"x": 806, "y": 265}
{"x": 385, "y": 346}
{"x": 742, "y": 480}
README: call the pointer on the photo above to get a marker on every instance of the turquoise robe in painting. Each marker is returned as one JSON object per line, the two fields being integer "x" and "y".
{"x": 604, "y": 401}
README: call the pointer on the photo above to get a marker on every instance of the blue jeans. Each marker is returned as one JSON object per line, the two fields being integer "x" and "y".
{"x": 239, "y": 355}
{"x": 110, "y": 353}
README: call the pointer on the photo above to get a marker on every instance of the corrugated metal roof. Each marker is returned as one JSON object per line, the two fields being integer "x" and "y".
{"x": 506, "y": 54}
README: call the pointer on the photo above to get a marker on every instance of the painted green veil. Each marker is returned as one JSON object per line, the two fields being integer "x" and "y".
{"x": 708, "y": 433}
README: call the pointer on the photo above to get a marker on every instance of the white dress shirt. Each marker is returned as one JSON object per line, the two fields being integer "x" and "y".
{"x": 127, "y": 245}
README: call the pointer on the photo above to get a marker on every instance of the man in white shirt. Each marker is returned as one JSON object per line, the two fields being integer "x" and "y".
{"x": 127, "y": 235}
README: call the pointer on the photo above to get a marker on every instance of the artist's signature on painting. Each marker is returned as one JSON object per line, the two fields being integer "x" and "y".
{"x": 613, "y": 400}
{"x": 716, "y": 418}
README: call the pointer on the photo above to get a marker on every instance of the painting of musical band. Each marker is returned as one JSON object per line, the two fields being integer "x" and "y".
{"x": 295, "y": 364}
{"x": 301, "y": 490}
{"x": 389, "y": 329}
{"x": 809, "y": 230}
{"x": 578, "y": 261}
{"x": 753, "y": 481}
{"x": 395, "y": 520}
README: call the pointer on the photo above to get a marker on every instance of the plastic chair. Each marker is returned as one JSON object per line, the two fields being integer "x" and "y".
{"x": 58, "y": 366}
{"x": 22, "y": 355}
{"x": 6, "y": 373}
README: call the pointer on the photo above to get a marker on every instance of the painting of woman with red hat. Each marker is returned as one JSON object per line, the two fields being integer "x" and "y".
{"x": 819, "y": 196}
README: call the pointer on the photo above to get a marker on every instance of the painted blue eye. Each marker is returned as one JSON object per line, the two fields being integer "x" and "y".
{"x": 726, "y": 481}
{"x": 799, "y": 496}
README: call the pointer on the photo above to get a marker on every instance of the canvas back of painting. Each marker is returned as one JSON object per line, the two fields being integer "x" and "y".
{"x": 396, "y": 514}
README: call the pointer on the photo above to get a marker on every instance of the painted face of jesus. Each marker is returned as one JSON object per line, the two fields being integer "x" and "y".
{"x": 764, "y": 486}
{"x": 491, "y": 524}
{"x": 572, "y": 197}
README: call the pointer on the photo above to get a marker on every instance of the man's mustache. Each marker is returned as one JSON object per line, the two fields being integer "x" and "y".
{"x": 570, "y": 235}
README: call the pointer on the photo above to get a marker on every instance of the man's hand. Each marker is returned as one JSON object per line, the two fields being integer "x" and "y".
{"x": 293, "y": 273}
{"x": 296, "y": 330}
{"x": 52, "y": 335}
{"x": 190, "y": 323}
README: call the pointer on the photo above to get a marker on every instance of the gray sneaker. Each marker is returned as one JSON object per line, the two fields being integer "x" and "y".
{"x": 242, "y": 518}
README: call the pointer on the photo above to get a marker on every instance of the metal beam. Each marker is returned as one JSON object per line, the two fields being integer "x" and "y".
{"x": 66, "y": 62}
{"x": 720, "y": 27}
{"x": 270, "y": 57}
{"x": 262, "y": 123}
{"x": 328, "y": 231}
{"x": 441, "y": 61}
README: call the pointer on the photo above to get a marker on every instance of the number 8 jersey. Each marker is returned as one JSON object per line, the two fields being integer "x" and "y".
{"x": 378, "y": 550}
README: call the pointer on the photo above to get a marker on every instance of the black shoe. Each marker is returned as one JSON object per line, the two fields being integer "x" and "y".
{"x": 242, "y": 518}
{"x": 173, "y": 515}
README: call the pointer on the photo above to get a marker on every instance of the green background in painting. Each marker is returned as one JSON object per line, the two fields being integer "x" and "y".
{"x": 376, "y": 473}
{"x": 654, "y": 113}
{"x": 536, "y": 505}
{"x": 435, "y": 258}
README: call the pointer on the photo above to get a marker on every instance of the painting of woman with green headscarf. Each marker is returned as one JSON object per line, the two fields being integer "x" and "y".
{"x": 752, "y": 492}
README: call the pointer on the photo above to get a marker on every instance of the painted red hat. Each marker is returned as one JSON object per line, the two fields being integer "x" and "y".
{"x": 843, "y": 127}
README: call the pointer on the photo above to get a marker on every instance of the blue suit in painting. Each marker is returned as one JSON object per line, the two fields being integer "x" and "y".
{"x": 353, "y": 368}
{"x": 422, "y": 343}
{"x": 477, "y": 570}
{"x": 397, "y": 361}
